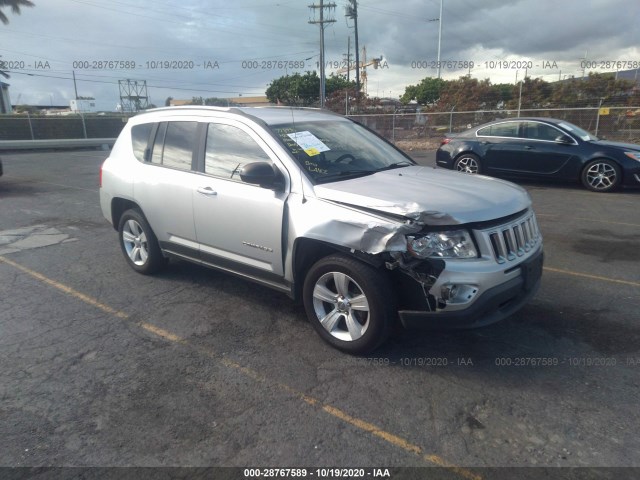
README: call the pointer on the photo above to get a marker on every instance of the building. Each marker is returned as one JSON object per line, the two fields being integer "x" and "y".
{"x": 250, "y": 102}
{"x": 231, "y": 102}
{"x": 90, "y": 106}
{"x": 5, "y": 102}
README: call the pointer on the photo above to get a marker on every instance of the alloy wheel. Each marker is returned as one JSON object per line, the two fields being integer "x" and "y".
{"x": 467, "y": 165}
{"x": 341, "y": 306}
{"x": 135, "y": 242}
{"x": 601, "y": 176}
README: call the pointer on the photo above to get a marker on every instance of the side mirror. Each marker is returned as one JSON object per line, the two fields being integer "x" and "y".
{"x": 564, "y": 139}
{"x": 260, "y": 173}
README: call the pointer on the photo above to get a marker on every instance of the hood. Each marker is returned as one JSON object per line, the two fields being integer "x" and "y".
{"x": 619, "y": 145}
{"x": 430, "y": 196}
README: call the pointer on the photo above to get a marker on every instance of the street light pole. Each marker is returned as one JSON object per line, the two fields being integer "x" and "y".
{"x": 439, "y": 38}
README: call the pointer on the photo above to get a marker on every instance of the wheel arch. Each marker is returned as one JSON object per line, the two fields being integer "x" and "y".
{"x": 307, "y": 251}
{"x": 118, "y": 207}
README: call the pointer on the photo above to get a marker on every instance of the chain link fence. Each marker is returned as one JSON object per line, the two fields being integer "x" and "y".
{"x": 614, "y": 123}
{"x": 423, "y": 128}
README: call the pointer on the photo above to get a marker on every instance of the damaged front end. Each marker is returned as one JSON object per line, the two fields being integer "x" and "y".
{"x": 423, "y": 262}
{"x": 415, "y": 252}
{"x": 445, "y": 272}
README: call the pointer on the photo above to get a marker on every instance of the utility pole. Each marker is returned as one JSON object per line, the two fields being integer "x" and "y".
{"x": 75, "y": 87}
{"x": 348, "y": 58}
{"x": 321, "y": 23}
{"x": 352, "y": 12}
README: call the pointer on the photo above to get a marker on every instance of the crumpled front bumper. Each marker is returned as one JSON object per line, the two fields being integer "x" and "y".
{"x": 491, "y": 306}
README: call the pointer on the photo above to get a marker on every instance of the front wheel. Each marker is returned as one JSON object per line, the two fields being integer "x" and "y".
{"x": 467, "y": 163}
{"x": 349, "y": 303}
{"x": 139, "y": 244}
{"x": 601, "y": 176}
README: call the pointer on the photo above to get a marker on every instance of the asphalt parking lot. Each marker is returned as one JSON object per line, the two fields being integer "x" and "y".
{"x": 105, "y": 367}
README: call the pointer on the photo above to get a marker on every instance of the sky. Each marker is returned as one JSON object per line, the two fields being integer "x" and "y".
{"x": 214, "y": 48}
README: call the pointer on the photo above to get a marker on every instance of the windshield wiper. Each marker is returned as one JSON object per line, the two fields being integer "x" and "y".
{"x": 346, "y": 173}
{"x": 404, "y": 163}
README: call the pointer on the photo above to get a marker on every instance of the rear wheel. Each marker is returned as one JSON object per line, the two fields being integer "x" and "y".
{"x": 601, "y": 176}
{"x": 349, "y": 303}
{"x": 139, "y": 244}
{"x": 467, "y": 163}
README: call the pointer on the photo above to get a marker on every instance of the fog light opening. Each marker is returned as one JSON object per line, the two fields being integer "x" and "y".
{"x": 449, "y": 292}
{"x": 457, "y": 294}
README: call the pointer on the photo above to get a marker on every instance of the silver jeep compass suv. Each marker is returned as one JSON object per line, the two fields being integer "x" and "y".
{"x": 317, "y": 206}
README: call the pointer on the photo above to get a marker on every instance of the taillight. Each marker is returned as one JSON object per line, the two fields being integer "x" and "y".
{"x": 100, "y": 176}
{"x": 444, "y": 141}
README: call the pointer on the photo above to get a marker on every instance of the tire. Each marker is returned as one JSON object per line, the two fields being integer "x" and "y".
{"x": 330, "y": 288}
{"x": 139, "y": 244}
{"x": 467, "y": 163}
{"x": 601, "y": 176}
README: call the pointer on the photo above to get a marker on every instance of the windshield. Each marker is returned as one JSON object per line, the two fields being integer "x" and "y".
{"x": 577, "y": 131}
{"x": 336, "y": 150}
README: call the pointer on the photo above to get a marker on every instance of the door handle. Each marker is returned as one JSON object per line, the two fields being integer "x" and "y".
{"x": 528, "y": 147}
{"x": 207, "y": 191}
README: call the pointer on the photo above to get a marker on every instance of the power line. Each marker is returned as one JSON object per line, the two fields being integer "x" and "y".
{"x": 115, "y": 83}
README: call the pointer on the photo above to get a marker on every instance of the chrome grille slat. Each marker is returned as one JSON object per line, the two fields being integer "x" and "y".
{"x": 513, "y": 240}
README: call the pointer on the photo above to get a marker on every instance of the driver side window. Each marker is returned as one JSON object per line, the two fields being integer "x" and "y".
{"x": 228, "y": 149}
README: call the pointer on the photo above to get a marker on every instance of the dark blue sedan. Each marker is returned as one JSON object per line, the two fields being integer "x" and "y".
{"x": 542, "y": 148}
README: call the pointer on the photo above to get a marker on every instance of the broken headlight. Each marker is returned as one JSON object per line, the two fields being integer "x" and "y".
{"x": 449, "y": 244}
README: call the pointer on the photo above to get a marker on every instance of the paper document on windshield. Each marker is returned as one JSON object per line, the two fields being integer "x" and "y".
{"x": 311, "y": 144}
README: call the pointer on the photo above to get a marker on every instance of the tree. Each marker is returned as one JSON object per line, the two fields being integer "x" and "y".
{"x": 295, "y": 90}
{"x": 500, "y": 94}
{"x": 466, "y": 94}
{"x": 15, "y": 6}
{"x": 536, "y": 93}
{"x": 425, "y": 93}
{"x": 604, "y": 86}
{"x": 304, "y": 90}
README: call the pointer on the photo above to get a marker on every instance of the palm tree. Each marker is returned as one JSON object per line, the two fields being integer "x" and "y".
{"x": 15, "y": 7}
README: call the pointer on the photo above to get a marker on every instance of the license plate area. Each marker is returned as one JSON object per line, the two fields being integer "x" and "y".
{"x": 531, "y": 270}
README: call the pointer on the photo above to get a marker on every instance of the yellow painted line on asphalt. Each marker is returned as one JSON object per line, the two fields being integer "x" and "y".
{"x": 329, "y": 409}
{"x": 64, "y": 288}
{"x": 369, "y": 427}
{"x": 162, "y": 333}
{"x": 592, "y": 277}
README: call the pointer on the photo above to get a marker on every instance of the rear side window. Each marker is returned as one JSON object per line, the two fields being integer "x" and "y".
{"x": 140, "y": 139}
{"x": 228, "y": 149}
{"x": 174, "y": 144}
{"x": 507, "y": 129}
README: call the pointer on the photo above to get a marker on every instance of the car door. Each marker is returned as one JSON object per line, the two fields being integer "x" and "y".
{"x": 503, "y": 147}
{"x": 543, "y": 154}
{"x": 164, "y": 186}
{"x": 239, "y": 226}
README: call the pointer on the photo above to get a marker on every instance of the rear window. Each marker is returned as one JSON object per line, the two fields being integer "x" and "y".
{"x": 179, "y": 142}
{"x": 139, "y": 139}
{"x": 174, "y": 144}
{"x": 507, "y": 129}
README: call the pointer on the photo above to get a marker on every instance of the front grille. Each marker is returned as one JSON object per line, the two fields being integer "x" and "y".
{"x": 513, "y": 240}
